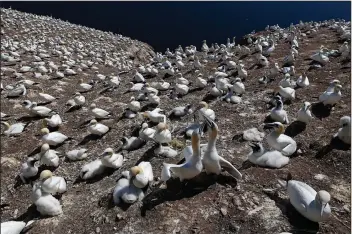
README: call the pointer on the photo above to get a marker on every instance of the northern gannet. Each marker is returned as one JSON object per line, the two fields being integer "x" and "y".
{"x": 287, "y": 93}
{"x": 181, "y": 80}
{"x": 52, "y": 138}
{"x": 46, "y": 204}
{"x": 181, "y": 111}
{"x": 238, "y": 86}
{"x": 286, "y": 81}
{"x": 265, "y": 158}
{"x": 126, "y": 191}
{"x": 302, "y": 81}
{"x": 242, "y": 72}
{"x": 92, "y": 169}
{"x": 28, "y": 169}
{"x": 148, "y": 89}
{"x": 344, "y": 133}
{"x": 309, "y": 203}
{"x": 35, "y": 110}
{"x": 48, "y": 156}
{"x": 96, "y": 128}
{"x": 320, "y": 57}
{"x": 98, "y": 113}
{"x": 162, "y": 134}
{"x": 332, "y": 85}
{"x": 142, "y": 174}
{"x": 111, "y": 159}
{"x": 181, "y": 89}
{"x": 134, "y": 105}
{"x": 153, "y": 98}
{"x": 138, "y": 77}
{"x": 278, "y": 114}
{"x": 205, "y": 110}
{"x": 215, "y": 92}
{"x": 78, "y": 154}
{"x": 132, "y": 143}
{"x": 19, "y": 90}
{"x": 205, "y": 47}
{"x": 279, "y": 141}
{"x": 54, "y": 121}
{"x": 231, "y": 98}
{"x": 155, "y": 116}
{"x": 84, "y": 87}
{"x": 14, "y": 129}
{"x": 304, "y": 115}
{"x": 15, "y": 227}
{"x": 161, "y": 85}
{"x": 331, "y": 98}
{"x": 136, "y": 87}
{"x": 212, "y": 161}
{"x": 52, "y": 184}
{"x": 79, "y": 99}
{"x": 189, "y": 169}
{"x": 146, "y": 133}
{"x": 46, "y": 97}
{"x": 200, "y": 82}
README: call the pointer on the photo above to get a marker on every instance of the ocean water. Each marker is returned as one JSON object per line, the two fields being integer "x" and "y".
{"x": 169, "y": 24}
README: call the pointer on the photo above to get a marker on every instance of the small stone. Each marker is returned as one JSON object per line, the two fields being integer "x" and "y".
{"x": 347, "y": 208}
{"x": 231, "y": 194}
{"x": 97, "y": 230}
{"x": 320, "y": 177}
{"x": 119, "y": 217}
{"x": 242, "y": 114}
{"x": 223, "y": 211}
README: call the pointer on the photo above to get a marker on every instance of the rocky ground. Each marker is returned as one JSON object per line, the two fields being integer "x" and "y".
{"x": 206, "y": 205}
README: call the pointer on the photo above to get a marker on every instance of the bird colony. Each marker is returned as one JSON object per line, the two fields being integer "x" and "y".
{"x": 251, "y": 138}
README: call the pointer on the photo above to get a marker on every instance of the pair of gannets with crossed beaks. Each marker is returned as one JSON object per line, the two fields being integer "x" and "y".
{"x": 212, "y": 161}
{"x": 279, "y": 141}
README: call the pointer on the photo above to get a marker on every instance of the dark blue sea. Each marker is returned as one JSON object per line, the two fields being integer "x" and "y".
{"x": 169, "y": 24}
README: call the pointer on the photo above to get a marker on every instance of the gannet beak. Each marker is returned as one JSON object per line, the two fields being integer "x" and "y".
{"x": 268, "y": 126}
{"x": 252, "y": 145}
{"x": 322, "y": 209}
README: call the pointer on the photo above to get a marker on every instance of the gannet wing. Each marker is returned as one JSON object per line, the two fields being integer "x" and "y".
{"x": 229, "y": 168}
{"x": 289, "y": 149}
{"x": 187, "y": 153}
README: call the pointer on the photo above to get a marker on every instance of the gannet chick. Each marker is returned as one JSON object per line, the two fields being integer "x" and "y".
{"x": 19, "y": 90}
{"x": 205, "y": 110}
{"x": 110, "y": 159}
{"x": 134, "y": 105}
{"x": 78, "y": 154}
{"x": 46, "y": 97}
{"x": 162, "y": 134}
{"x": 132, "y": 143}
{"x": 52, "y": 138}
{"x": 212, "y": 161}
{"x": 138, "y": 77}
{"x": 302, "y": 81}
{"x": 278, "y": 114}
{"x": 126, "y": 191}
{"x": 331, "y": 98}
{"x": 344, "y": 133}
{"x": 309, "y": 203}
{"x": 189, "y": 169}
{"x": 96, "y": 128}
{"x": 279, "y": 141}
{"x": 238, "y": 86}
{"x": 98, "y": 113}
{"x": 52, "y": 184}
{"x": 92, "y": 169}
{"x": 54, "y": 121}
{"x": 28, "y": 169}
{"x": 304, "y": 115}
{"x": 287, "y": 93}
{"x": 48, "y": 157}
{"x": 181, "y": 111}
{"x": 46, "y": 204}
{"x": 142, "y": 174}
{"x": 154, "y": 116}
{"x": 14, "y": 129}
{"x": 264, "y": 158}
